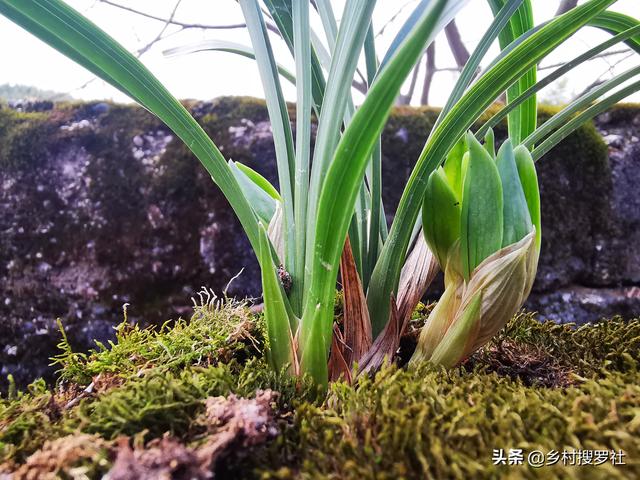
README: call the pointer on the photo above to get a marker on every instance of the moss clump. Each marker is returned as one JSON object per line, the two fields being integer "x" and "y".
{"x": 430, "y": 423}
{"x": 213, "y": 334}
{"x": 621, "y": 114}
{"x": 23, "y": 137}
{"x": 421, "y": 422}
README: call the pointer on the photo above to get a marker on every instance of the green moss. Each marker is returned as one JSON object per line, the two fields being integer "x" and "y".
{"x": 613, "y": 345}
{"x": 421, "y": 422}
{"x": 213, "y": 334}
{"x": 622, "y": 114}
{"x": 426, "y": 422}
{"x": 27, "y": 419}
{"x": 429, "y": 423}
{"x": 23, "y": 137}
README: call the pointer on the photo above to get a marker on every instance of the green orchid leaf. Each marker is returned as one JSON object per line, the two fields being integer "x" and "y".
{"x": 522, "y": 121}
{"x": 343, "y": 182}
{"x": 279, "y": 117}
{"x": 440, "y": 216}
{"x": 259, "y": 180}
{"x": 615, "y": 23}
{"x": 282, "y": 14}
{"x": 529, "y": 182}
{"x": 224, "y": 46}
{"x": 471, "y": 67}
{"x": 517, "y": 220}
{"x": 263, "y": 204}
{"x": 482, "y": 209}
{"x": 550, "y": 78}
{"x": 277, "y": 312}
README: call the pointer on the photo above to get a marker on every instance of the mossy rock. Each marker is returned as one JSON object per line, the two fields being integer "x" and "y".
{"x": 537, "y": 386}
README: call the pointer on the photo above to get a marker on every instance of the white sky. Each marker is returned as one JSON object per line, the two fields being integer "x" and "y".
{"x": 26, "y": 60}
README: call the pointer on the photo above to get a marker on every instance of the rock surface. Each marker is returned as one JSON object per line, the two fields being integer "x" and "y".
{"x": 101, "y": 206}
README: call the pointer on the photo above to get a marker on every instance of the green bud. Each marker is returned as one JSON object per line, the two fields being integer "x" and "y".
{"x": 529, "y": 182}
{"x": 482, "y": 209}
{"x": 517, "y": 222}
{"x": 440, "y": 216}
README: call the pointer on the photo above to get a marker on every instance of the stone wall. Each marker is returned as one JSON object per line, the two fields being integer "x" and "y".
{"x": 101, "y": 206}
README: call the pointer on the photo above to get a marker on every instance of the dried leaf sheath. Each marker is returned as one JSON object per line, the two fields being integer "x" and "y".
{"x": 417, "y": 274}
{"x": 357, "y": 326}
{"x": 338, "y": 366}
{"x": 386, "y": 344}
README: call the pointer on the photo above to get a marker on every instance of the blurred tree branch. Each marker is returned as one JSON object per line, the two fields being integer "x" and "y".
{"x": 459, "y": 50}
{"x": 430, "y": 64}
{"x": 565, "y": 6}
{"x": 184, "y": 25}
{"x": 159, "y": 37}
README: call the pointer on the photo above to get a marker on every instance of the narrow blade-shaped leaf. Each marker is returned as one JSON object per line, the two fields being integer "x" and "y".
{"x": 262, "y": 203}
{"x": 282, "y": 13}
{"x": 345, "y": 56}
{"x": 575, "y": 122}
{"x": 472, "y": 65}
{"x": 279, "y": 116}
{"x": 567, "y": 67}
{"x": 302, "y": 54}
{"x": 344, "y": 179}
{"x": 276, "y": 311}
{"x": 562, "y": 118}
{"x": 614, "y": 23}
{"x": 522, "y": 121}
{"x": 223, "y": 46}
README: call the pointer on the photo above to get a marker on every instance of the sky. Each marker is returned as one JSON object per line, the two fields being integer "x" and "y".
{"x": 211, "y": 74}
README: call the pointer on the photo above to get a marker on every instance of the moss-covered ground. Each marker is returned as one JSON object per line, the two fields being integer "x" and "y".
{"x": 535, "y": 387}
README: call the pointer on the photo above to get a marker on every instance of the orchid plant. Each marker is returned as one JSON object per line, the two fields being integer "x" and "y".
{"x": 480, "y": 217}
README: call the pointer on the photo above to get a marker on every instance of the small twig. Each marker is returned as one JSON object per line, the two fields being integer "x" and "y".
{"x": 602, "y": 55}
{"x": 600, "y": 80}
{"x": 394, "y": 17}
{"x": 184, "y": 25}
{"x": 172, "y": 21}
{"x": 159, "y": 37}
